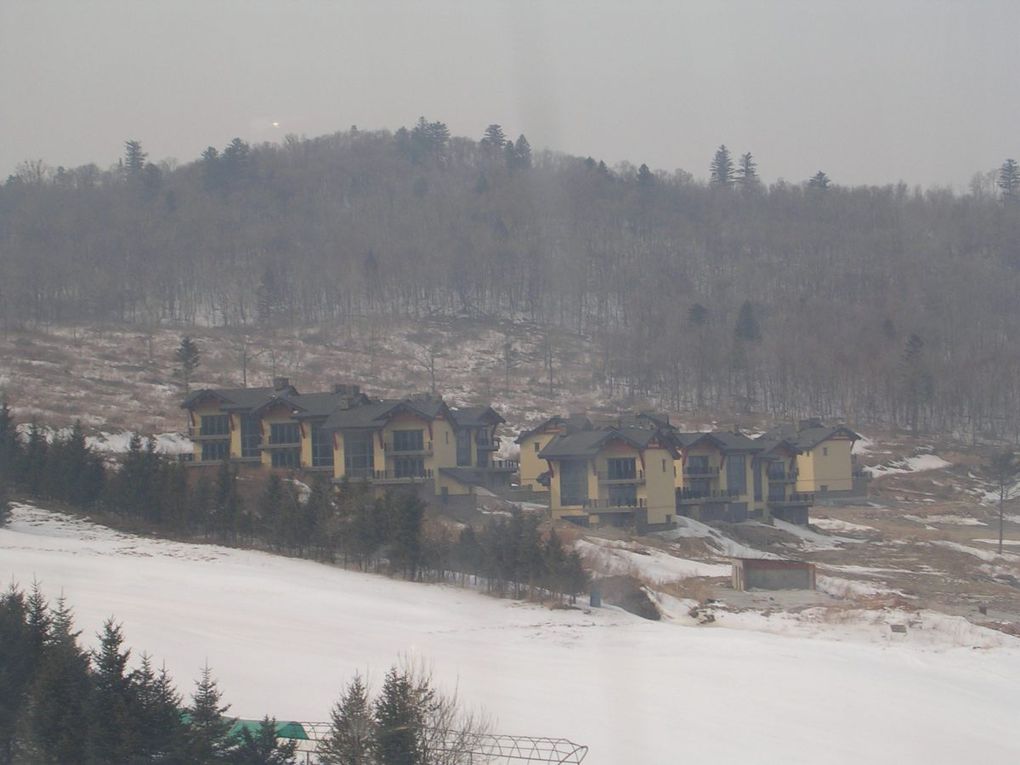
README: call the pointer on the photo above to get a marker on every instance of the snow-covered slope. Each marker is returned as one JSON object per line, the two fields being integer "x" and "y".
{"x": 284, "y": 635}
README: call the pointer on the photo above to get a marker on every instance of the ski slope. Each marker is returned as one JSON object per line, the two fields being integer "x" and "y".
{"x": 283, "y": 636}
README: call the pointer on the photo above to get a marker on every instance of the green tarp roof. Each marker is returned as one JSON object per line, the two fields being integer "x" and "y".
{"x": 283, "y": 729}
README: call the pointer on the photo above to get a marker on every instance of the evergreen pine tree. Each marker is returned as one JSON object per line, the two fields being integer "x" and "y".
{"x": 644, "y": 176}
{"x": 157, "y": 715}
{"x": 16, "y": 667}
{"x": 187, "y": 357}
{"x": 554, "y": 560}
{"x": 1009, "y": 180}
{"x": 351, "y": 731}
{"x": 721, "y": 170}
{"x": 10, "y": 455}
{"x": 134, "y": 159}
{"x": 398, "y": 721}
{"x": 208, "y": 732}
{"x": 270, "y": 508}
{"x": 405, "y": 512}
{"x": 819, "y": 181}
{"x": 747, "y": 173}
{"x": 493, "y": 141}
{"x": 56, "y": 718}
{"x": 114, "y": 735}
{"x": 5, "y": 501}
{"x": 577, "y": 578}
{"x": 226, "y": 503}
{"x": 34, "y": 458}
{"x": 263, "y": 747}
{"x": 917, "y": 382}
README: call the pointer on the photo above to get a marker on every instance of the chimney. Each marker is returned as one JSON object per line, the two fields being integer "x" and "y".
{"x": 280, "y": 384}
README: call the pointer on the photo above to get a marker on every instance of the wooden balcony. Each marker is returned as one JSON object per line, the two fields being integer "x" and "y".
{"x": 701, "y": 471}
{"x": 503, "y": 466}
{"x": 781, "y": 476}
{"x": 792, "y": 500}
{"x": 694, "y": 497}
{"x": 612, "y": 505}
{"x": 637, "y": 478}
{"x": 425, "y": 451}
{"x": 386, "y": 476}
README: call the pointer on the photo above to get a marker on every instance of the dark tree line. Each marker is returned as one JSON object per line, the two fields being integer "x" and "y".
{"x": 419, "y": 222}
{"x": 387, "y": 534}
{"x": 62, "y": 704}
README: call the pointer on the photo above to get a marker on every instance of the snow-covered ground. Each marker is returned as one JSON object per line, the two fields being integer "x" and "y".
{"x": 611, "y": 558}
{"x": 835, "y": 524}
{"x": 283, "y": 636}
{"x": 916, "y": 464}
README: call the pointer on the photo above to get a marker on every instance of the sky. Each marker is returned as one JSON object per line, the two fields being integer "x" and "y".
{"x": 871, "y": 92}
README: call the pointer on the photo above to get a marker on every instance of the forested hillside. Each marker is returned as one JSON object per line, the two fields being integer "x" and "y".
{"x": 888, "y": 304}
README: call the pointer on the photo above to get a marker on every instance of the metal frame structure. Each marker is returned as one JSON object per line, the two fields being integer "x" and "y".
{"x": 482, "y": 749}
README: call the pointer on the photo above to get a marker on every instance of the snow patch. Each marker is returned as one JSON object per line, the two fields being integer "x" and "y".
{"x": 916, "y": 464}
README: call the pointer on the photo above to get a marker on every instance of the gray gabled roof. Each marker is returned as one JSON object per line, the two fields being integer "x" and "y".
{"x": 772, "y": 446}
{"x": 374, "y": 415}
{"x": 810, "y": 437}
{"x": 476, "y": 416}
{"x": 312, "y": 405}
{"x": 722, "y": 440}
{"x": 572, "y": 424}
{"x": 588, "y": 443}
{"x": 236, "y": 398}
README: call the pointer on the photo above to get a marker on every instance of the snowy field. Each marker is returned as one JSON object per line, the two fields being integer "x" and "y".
{"x": 283, "y": 636}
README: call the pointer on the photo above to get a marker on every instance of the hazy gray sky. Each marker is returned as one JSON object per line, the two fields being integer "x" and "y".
{"x": 871, "y": 92}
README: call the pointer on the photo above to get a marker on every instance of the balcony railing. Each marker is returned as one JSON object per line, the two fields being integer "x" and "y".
{"x": 386, "y": 476}
{"x": 507, "y": 466}
{"x": 281, "y": 445}
{"x": 782, "y": 476}
{"x": 701, "y": 471}
{"x": 613, "y": 504}
{"x": 793, "y": 500}
{"x": 698, "y": 497}
{"x": 604, "y": 477}
{"x": 426, "y": 449}
{"x": 196, "y": 434}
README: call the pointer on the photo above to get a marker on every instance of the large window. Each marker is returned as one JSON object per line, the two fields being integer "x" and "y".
{"x": 697, "y": 465}
{"x": 621, "y": 469}
{"x": 251, "y": 435}
{"x": 464, "y": 448}
{"x": 215, "y": 451}
{"x": 359, "y": 454}
{"x": 322, "y": 447}
{"x": 284, "y": 433}
{"x": 408, "y": 467}
{"x": 408, "y": 440}
{"x": 215, "y": 424}
{"x": 287, "y": 458}
{"x": 624, "y": 495}
{"x": 573, "y": 482}
{"x": 736, "y": 473}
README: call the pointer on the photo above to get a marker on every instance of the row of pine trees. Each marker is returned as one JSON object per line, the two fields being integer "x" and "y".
{"x": 62, "y": 704}
{"x": 146, "y": 490}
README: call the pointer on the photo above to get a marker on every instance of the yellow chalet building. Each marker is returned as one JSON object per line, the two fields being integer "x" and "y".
{"x": 612, "y": 476}
{"x": 534, "y": 471}
{"x": 824, "y": 462}
{"x": 418, "y": 441}
{"x": 221, "y": 423}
